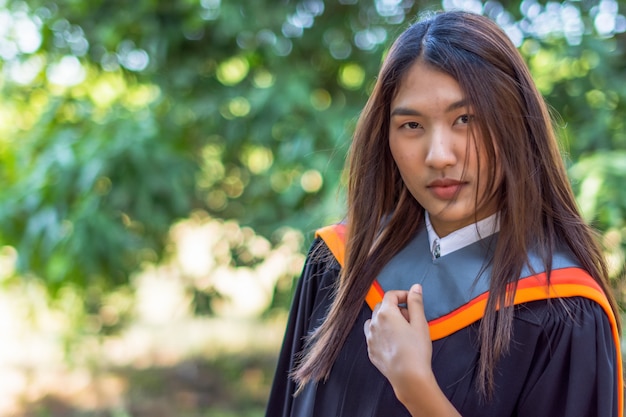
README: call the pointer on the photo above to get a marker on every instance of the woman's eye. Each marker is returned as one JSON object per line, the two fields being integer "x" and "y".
{"x": 464, "y": 119}
{"x": 411, "y": 125}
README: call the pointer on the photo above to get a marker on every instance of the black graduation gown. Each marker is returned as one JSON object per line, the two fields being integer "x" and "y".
{"x": 562, "y": 361}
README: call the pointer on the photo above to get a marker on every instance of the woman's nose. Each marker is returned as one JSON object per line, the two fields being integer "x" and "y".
{"x": 441, "y": 151}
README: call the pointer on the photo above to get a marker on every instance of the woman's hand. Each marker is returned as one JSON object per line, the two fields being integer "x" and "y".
{"x": 398, "y": 344}
{"x": 398, "y": 341}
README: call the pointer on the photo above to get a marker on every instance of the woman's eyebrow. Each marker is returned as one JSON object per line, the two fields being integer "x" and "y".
{"x": 405, "y": 111}
{"x": 457, "y": 105}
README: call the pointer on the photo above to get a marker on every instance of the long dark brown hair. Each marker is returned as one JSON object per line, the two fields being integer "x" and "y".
{"x": 535, "y": 201}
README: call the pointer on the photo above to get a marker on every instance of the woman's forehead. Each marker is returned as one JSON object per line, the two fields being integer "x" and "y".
{"x": 424, "y": 89}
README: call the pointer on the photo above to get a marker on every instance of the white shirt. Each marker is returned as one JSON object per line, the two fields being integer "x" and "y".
{"x": 461, "y": 238}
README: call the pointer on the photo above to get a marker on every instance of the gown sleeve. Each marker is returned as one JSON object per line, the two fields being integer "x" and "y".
{"x": 573, "y": 370}
{"x": 309, "y": 305}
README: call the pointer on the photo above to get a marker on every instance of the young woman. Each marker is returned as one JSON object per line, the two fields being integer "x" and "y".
{"x": 464, "y": 280}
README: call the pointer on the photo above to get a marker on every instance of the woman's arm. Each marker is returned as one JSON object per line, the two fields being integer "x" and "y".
{"x": 574, "y": 370}
{"x": 310, "y": 301}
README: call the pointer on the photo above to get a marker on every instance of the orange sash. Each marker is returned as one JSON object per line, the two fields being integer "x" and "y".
{"x": 566, "y": 282}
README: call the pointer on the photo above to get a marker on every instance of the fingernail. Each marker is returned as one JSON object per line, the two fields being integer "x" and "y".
{"x": 416, "y": 288}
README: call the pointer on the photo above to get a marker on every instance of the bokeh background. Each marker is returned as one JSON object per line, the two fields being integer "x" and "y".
{"x": 163, "y": 165}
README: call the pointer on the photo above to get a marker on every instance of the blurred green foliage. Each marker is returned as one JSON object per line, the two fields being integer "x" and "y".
{"x": 118, "y": 120}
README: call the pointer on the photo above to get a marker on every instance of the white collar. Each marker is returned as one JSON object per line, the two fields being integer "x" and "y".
{"x": 463, "y": 237}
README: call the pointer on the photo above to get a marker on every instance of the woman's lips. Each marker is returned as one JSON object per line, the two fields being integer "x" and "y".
{"x": 445, "y": 189}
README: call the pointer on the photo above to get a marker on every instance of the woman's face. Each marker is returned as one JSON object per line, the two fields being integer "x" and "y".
{"x": 430, "y": 140}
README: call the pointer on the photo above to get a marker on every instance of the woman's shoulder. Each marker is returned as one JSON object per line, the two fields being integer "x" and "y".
{"x": 321, "y": 254}
{"x": 554, "y": 314}
{"x": 321, "y": 258}
{"x": 321, "y": 269}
